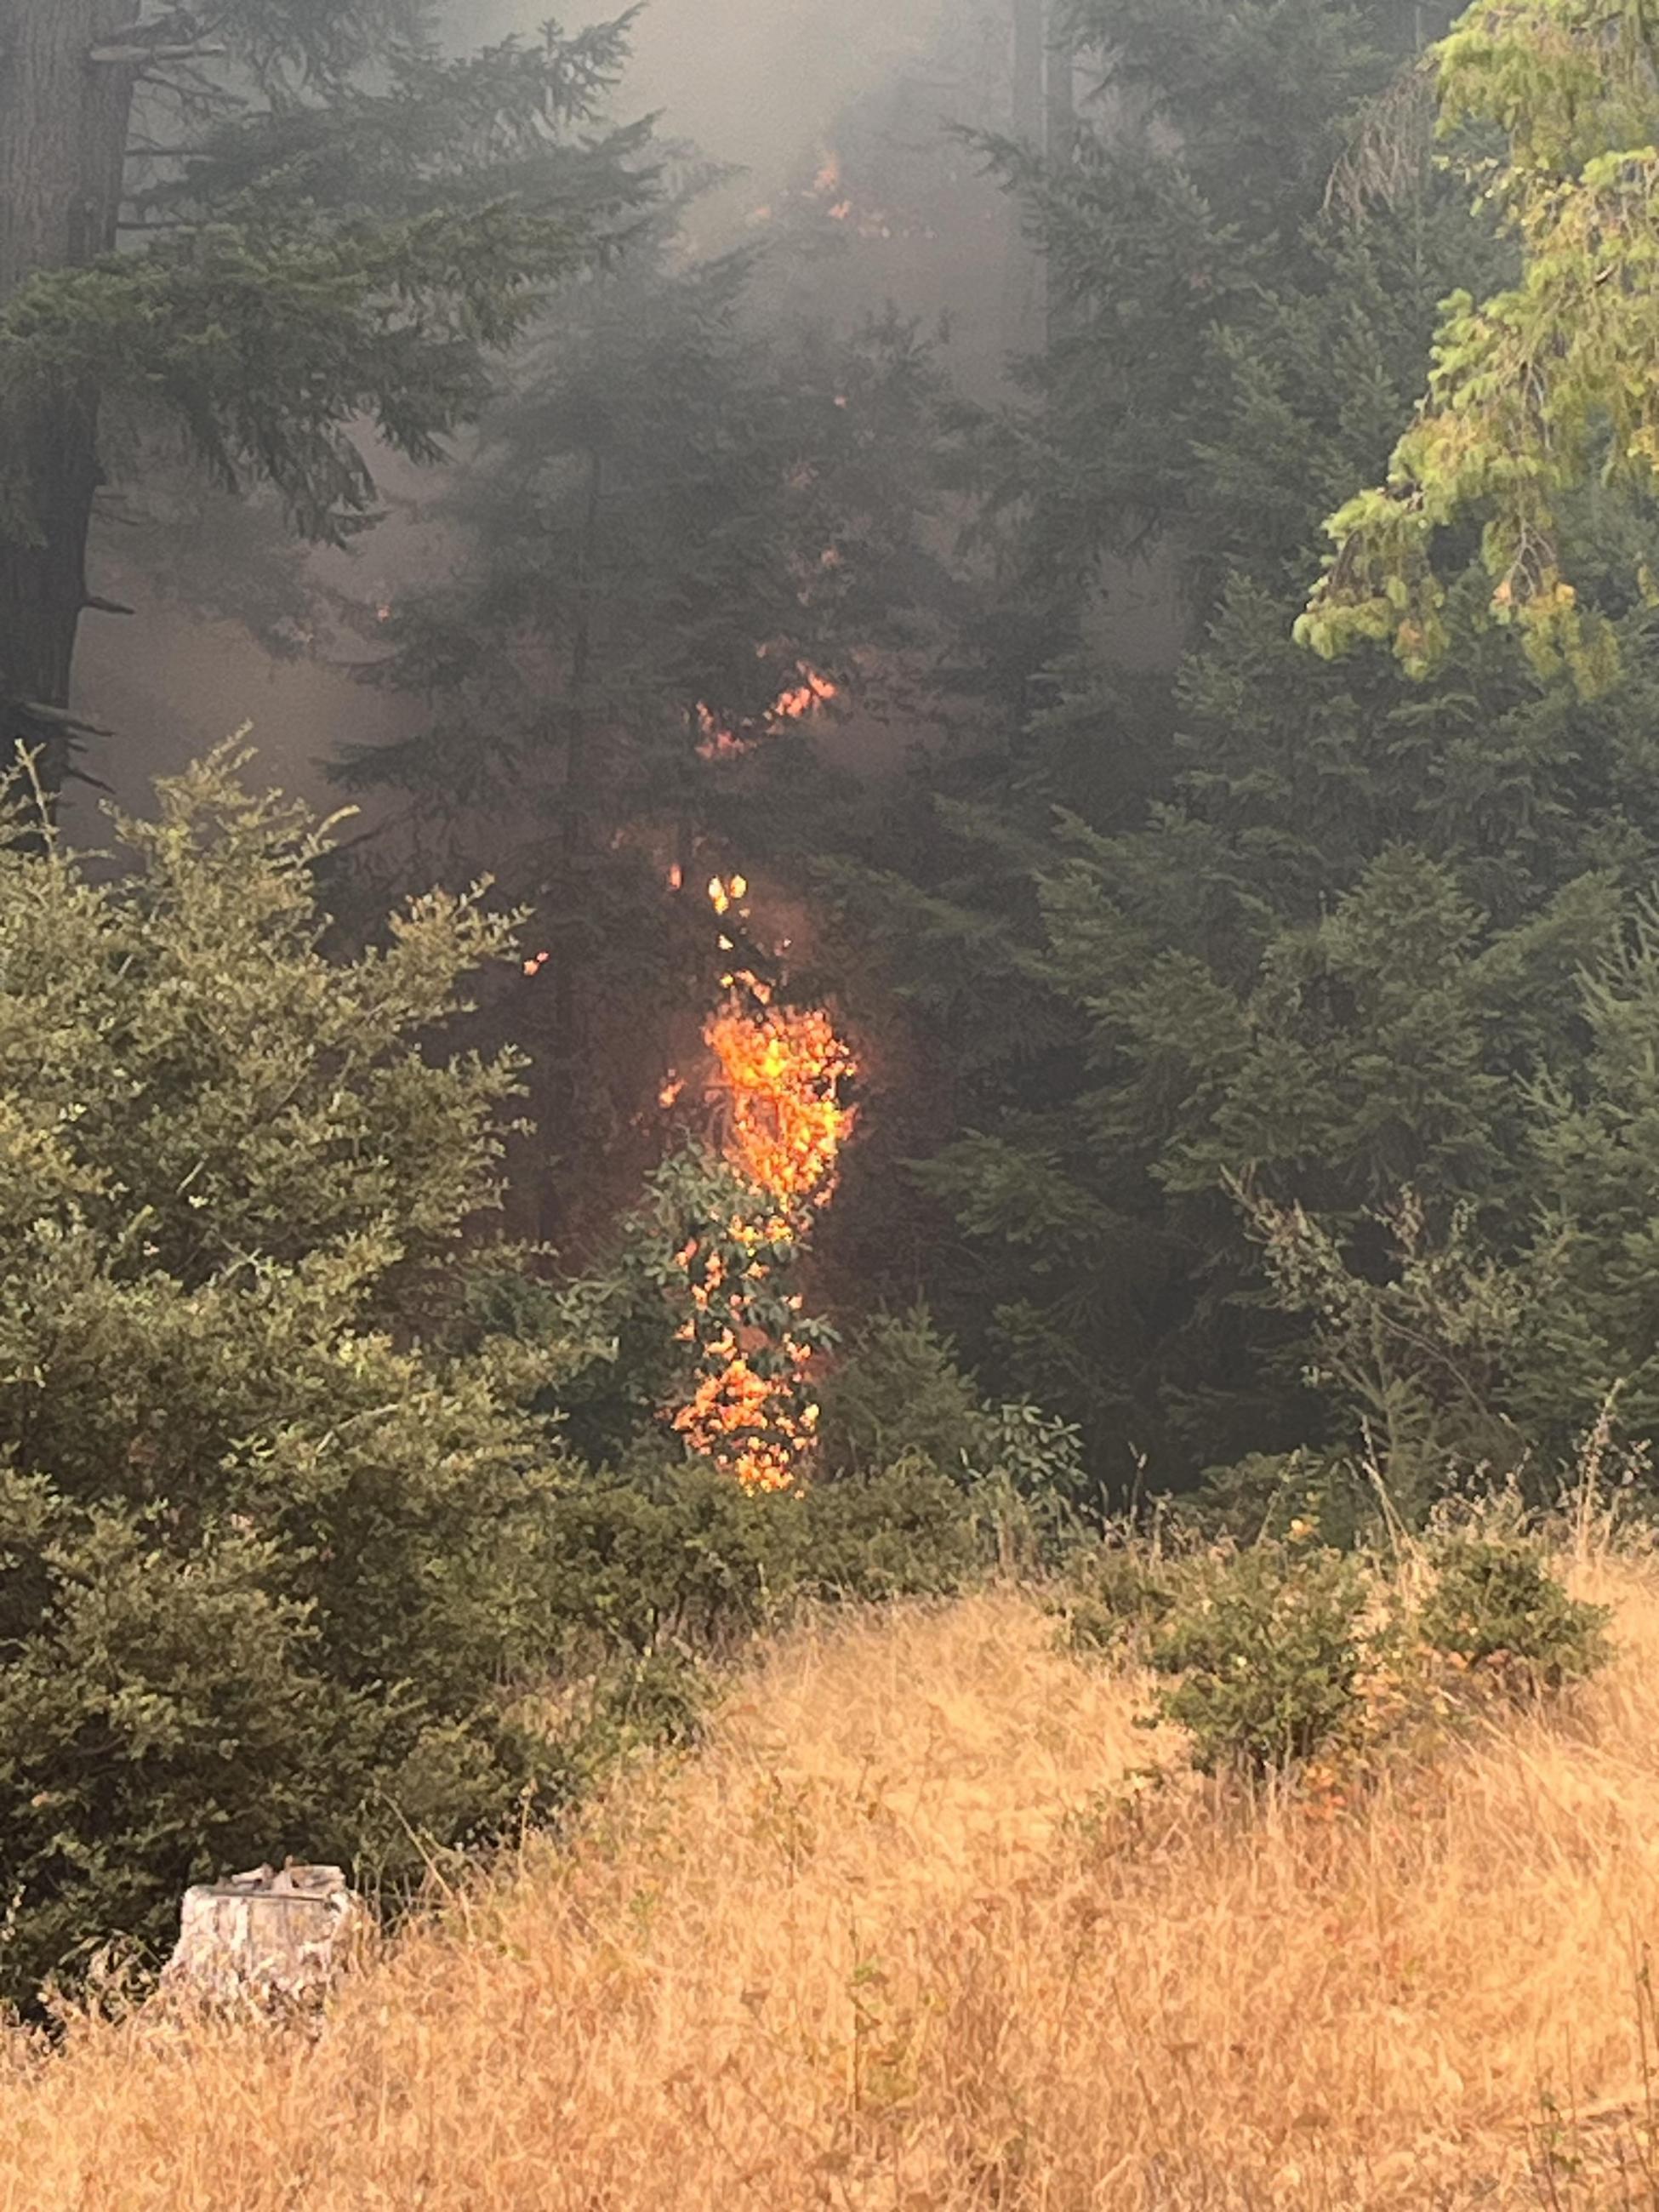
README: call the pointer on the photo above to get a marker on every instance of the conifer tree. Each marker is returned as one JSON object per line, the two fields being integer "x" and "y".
{"x": 255, "y": 223}
{"x": 1316, "y": 927}
{"x": 681, "y": 533}
{"x": 1546, "y": 383}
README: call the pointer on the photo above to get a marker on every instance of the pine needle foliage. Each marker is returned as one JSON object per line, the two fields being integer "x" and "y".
{"x": 273, "y": 1556}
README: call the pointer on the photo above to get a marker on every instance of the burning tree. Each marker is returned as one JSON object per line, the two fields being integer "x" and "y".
{"x": 679, "y": 547}
{"x": 780, "y": 1089}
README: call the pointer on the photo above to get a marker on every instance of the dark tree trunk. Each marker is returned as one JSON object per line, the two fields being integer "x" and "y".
{"x": 63, "y": 125}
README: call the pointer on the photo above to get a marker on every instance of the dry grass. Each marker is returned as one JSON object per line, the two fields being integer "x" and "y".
{"x": 862, "y": 1952}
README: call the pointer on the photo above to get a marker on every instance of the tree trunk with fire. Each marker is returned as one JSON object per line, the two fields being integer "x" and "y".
{"x": 66, "y": 90}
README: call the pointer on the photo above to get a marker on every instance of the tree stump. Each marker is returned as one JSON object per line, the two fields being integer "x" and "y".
{"x": 275, "y": 1942}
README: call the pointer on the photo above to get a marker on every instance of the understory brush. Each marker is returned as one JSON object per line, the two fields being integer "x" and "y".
{"x": 1274, "y": 1654}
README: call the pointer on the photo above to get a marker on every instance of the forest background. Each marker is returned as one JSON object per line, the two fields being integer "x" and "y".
{"x": 1255, "y": 1050}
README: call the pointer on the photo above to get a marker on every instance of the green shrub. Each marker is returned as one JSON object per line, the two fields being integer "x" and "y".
{"x": 1265, "y": 1648}
{"x": 1269, "y": 1494}
{"x": 896, "y": 1389}
{"x": 898, "y": 1394}
{"x": 1116, "y": 1595}
{"x": 269, "y": 1564}
{"x": 669, "y": 1552}
{"x": 906, "y": 1531}
{"x": 1495, "y": 1604}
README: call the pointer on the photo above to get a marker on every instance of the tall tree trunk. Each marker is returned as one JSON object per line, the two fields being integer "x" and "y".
{"x": 1023, "y": 297}
{"x": 63, "y": 125}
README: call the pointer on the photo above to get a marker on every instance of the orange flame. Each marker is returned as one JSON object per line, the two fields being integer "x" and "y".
{"x": 780, "y": 1074}
{"x": 793, "y": 704}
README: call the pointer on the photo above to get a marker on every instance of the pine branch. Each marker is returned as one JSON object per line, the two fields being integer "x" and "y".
{"x": 140, "y": 57}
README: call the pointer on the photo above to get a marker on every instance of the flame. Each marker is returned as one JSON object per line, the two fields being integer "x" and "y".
{"x": 780, "y": 1074}
{"x": 805, "y": 696}
{"x": 828, "y": 189}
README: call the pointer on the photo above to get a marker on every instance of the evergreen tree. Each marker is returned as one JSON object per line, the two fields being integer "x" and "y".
{"x": 274, "y": 1542}
{"x": 1546, "y": 383}
{"x": 683, "y": 537}
{"x": 256, "y": 223}
{"x": 1313, "y": 927}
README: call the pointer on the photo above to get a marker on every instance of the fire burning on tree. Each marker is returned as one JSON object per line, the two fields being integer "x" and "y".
{"x": 778, "y": 1092}
{"x": 793, "y": 703}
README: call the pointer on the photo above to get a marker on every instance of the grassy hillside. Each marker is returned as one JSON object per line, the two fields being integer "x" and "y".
{"x": 907, "y": 1933}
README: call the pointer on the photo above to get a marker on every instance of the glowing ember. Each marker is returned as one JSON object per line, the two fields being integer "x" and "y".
{"x": 780, "y": 1074}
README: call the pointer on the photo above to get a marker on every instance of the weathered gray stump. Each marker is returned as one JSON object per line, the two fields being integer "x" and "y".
{"x": 273, "y": 1940}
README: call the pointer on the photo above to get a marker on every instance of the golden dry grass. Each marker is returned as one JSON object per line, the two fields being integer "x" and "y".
{"x": 862, "y": 1952}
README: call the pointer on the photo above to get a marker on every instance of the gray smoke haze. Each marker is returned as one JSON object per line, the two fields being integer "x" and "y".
{"x": 755, "y": 84}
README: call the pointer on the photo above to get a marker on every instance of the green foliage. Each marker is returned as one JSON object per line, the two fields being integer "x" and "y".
{"x": 675, "y": 517}
{"x": 1424, "y": 1355}
{"x": 902, "y": 1531}
{"x": 326, "y": 222}
{"x": 342, "y": 253}
{"x": 1268, "y": 1495}
{"x": 1265, "y": 1648}
{"x": 644, "y": 1326}
{"x": 270, "y": 1565}
{"x": 1543, "y": 386}
{"x": 391, "y": 324}
{"x": 897, "y": 1389}
{"x": 1116, "y": 1595}
{"x": 669, "y": 1554}
{"x": 1496, "y": 1605}
{"x": 1313, "y": 930}
{"x": 898, "y": 1394}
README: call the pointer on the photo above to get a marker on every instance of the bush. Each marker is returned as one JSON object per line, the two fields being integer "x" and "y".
{"x": 268, "y": 1567}
{"x": 1116, "y": 1595}
{"x": 898, "y": 1394}
{"x": 1495, "y": 1604}
{"x": 669, "y": 1552}
{"x": 1269, "y": 1493}
{"x": 904, "y": 1532}
{"x": 1266, "y": 1649}
{"x": 897, "y": 1391}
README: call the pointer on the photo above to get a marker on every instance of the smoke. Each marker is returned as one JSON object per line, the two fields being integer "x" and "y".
{"x": 756, "y": 83}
